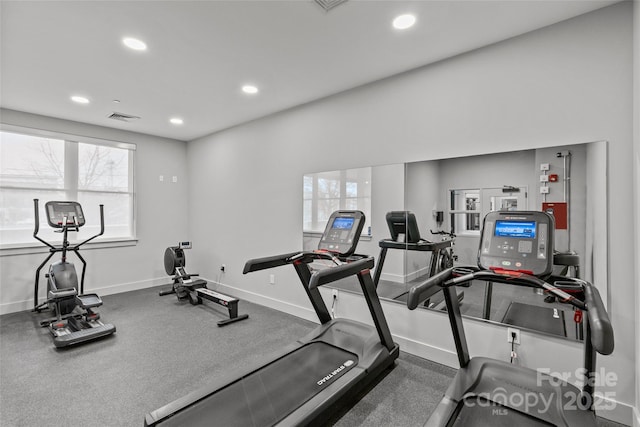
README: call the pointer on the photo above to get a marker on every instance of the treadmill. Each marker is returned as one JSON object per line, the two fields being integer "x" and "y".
{"x": 312, "y": 379}
{"x": 405, "y": 235}
{"x": 516, "y": 248}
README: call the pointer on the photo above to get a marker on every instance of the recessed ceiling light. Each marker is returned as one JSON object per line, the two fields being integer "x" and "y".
{"x": 134, "y": 44}
{"x": 249, "y": 89}
{"x": 80, "y": 99}
{"x": 176, "y": 120}
{"x": 403, "y": 22}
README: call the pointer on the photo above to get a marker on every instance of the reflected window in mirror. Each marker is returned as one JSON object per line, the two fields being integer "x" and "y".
{"x": 326, "y": 192}
{"x": 465, "y": 211}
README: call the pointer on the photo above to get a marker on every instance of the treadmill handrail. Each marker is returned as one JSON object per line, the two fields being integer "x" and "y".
{"x": 332, "y": 274}
{"x": 422, "y": 245}
{"x": 601, "y": 330}
{"x": 265, "y": 263}
{"x": 422, "y": 292}
{"x": 522, "y": 279}
{"x": 602, "y": 337}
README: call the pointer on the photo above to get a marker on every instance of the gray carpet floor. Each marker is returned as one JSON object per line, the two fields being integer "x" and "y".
{"x": 164, "y": 349}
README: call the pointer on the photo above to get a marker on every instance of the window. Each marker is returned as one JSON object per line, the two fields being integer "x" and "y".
{"x": 326, "y": 192}
{"x": 465, "y": 211}
{"x": 50, "y": 167}
{"x": 468, "y": 207}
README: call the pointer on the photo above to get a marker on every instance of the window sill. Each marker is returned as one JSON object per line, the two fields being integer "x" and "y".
{"x": 38, "y": 248}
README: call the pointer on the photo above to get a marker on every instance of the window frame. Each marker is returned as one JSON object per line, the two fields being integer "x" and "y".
{"x": 343, "y": 181}
{"x": 73, "y": 140}
{"x": 467, "y": 212}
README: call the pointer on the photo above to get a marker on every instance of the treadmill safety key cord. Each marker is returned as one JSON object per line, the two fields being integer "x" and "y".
{"x": 514, "y": 355}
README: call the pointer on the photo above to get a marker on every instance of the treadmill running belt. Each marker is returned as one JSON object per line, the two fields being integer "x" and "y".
{"x": 543, "y": 319}
{"x": 479, "y": 412}
{"x": 267, "y": 395}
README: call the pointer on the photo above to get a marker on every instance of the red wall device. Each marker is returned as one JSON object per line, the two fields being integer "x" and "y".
{"x": 559, "y": 212}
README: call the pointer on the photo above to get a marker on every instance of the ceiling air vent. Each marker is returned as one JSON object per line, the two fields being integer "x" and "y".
{"x": 329, "y": 4}
{"x": 122, "y": 117}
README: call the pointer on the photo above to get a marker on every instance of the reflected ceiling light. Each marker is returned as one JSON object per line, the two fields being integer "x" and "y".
{"x": 403, "y": 22}
{"x": 80, "y": 99}
{"x": 134, "y": 44}
{"x": 176, "y": 121}
{"x": 250, "y": 89}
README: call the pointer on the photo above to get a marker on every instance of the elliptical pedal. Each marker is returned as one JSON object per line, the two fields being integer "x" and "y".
{"x": 77, "y": 337}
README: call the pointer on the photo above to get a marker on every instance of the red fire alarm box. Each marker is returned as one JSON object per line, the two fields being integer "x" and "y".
{"x": 559, "y": 212}
{"x": 553, "y": 177}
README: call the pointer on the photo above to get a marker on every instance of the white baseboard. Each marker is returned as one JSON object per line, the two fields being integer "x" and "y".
{"x": 295, "y": 310}
{"x": 619, "y": 412}
{"x": 395, "y": 278}
{"x": 132, "y": 286}
{"x": 424, "y": 271}
{"x": 16, "y": 306}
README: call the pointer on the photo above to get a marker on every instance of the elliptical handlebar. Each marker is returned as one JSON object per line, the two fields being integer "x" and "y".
{"x": 75, "y": 225}
{"x": 101, "y": 229}
{"x": 36, "y": 227}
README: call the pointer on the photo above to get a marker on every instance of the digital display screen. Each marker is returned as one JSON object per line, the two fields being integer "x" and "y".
{"x": 343, "y": 223}
{"x": 518, "y": 229}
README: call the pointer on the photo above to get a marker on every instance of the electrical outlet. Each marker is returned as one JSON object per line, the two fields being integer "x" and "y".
{"x": 544, "y": 190}
{"x": 544, "y": 166}
{"x": 544, "y": 178}
{"x": 511, "y": 337}
{"x": 272, "y": 279}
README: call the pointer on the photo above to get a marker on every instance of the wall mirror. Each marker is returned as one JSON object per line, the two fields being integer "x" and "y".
{"x": 449, "y": 198}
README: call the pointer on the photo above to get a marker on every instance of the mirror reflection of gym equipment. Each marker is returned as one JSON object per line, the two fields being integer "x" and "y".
{"x": 581, "y": 248}
{"x": 515, "y": 249}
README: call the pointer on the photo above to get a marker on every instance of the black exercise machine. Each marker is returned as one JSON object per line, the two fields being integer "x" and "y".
{"x": 516, "y": 248}
{"x": 75, "y": 321}
{"x": 185, "y": 286}
{"x": 316, "y": 376}
{"x": 551, "y": 320}
{"x": 405, "y": 235}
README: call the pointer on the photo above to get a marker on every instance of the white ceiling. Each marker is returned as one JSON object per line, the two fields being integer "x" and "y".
{"x": 200, "y": 53}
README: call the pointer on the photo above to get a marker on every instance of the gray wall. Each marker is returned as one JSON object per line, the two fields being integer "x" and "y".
{"x": 636, "y": 172}
{"x": 565, "y": 84}
{"x": 422, "y": 197}
{"x": 162, "y": 218}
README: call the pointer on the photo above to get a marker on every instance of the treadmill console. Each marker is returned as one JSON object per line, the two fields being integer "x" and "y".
{"x": 342, "y": 232}
{"x": 403, "y": 227}
{"x": 518, "y": 241}
{"x": 58, "y": 211}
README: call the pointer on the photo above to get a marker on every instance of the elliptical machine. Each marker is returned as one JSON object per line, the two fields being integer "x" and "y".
{"x": 184, "y": 286}
{"x": 75, "y": 321}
